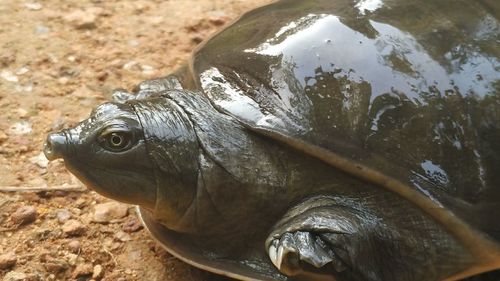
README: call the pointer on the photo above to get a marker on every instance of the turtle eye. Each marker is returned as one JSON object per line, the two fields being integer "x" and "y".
{"x": 115, "y": 141}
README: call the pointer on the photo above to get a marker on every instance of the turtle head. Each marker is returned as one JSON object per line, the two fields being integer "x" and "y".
{"x": 107, "y": 152}
{"x": 142, "y": 152}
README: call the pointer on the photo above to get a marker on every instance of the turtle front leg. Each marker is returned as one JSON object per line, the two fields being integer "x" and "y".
{"x": 354, "y": 239}
{"x": 312, "y": 240}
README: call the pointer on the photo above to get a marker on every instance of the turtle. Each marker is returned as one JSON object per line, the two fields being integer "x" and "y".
{"x": 315, "y": 140}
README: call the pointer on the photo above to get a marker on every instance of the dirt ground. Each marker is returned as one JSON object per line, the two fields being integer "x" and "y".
{"x": 58, "y": 60}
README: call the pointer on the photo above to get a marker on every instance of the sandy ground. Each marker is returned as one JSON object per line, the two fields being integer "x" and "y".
{"x": 58, "y": 60}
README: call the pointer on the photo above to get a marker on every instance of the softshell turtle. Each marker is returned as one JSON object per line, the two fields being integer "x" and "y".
{"x": 316, "y": 140}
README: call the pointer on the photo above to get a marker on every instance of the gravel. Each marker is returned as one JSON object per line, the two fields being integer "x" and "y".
{"x": 7, "y": 260}
{"x": 110, "y": 211}
{"x": 24, "y": 215}
{"x": 74, "y": 228}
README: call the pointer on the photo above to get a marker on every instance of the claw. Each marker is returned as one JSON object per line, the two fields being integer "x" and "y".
{"x": 281, "y": 253}
{"x": 290, "y": 252}
{"x": 273, "y": 255}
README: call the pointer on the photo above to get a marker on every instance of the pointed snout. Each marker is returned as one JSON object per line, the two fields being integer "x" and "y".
{"x": 55, "y": 146}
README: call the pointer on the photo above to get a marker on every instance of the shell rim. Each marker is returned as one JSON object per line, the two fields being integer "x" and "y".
{"x": 154, "y": 230}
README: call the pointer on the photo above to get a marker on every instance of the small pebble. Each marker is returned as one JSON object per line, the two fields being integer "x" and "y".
{"x": 147, "y": 69}
{"x": 63, "y": 215}
{"x": 76, "y": 211}
{"x": 115, "y": 246}
{"x": 9, "y": 76}
{"x": 71, "y": 258}
{"x": 84, "y": 19}
{"x": 21, "y": 112}
{"x": 35, "y": 6}
{"x": 107, "y": 212}
{"x": 24, "y": 215}
{"x": 133, "y": 43}
{"x": 20, "y": 128}
{"x": 122, "y": 236}
{"x": 42, "y": 234}
{"x": 24, "y": 88}
{"x": 41, "y": 29}
{"x": 197, "y": 38}
{"x": 63, "y": 80}
{"x": 56, "y": 266}
{"x": 74, "y": 246}
{"x": 73, "y": 228}
{"x": 40, "y": 160}
{"x": 80, "y": 203}
{"x": 84, "y": 269}
{"x": 135, "y": 255}
{"x": 46, "y": 256}
{"x": 60, "y": 193}
{"x": 131, "y": 65}
{"x": 7, "y": 59}
{"x": 15, "y": 276}
{"x": 23, "y": 70}
{"x": 7, "y": 260}
{"x": 155, "y": 20}
{"x": 60, "y": 201}
{"x": 3, "y": 136}
{"x": 97, "y": 272}
{"x": 218, "y": 18}
{"x": 132, "y": 224}
{"x": 58, "y": 124}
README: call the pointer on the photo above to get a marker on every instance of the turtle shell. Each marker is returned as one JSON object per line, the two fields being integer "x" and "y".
{"x": 403, "y": 94}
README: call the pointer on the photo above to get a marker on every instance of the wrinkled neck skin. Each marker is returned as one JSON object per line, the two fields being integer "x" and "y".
{"x": 213, "y": 178}
{"x": 172, "y": 146}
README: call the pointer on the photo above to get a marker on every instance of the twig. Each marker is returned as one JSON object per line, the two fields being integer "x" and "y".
{"x": 3, "y": 202}
{"x": 110, "y": 254}
{"x": 71, "y": 187}
{"x": 5, "y": 229}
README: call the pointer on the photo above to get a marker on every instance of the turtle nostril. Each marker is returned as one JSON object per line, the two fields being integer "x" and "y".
{"x": 47, "y": 147}
{"x": 55, "y": 145}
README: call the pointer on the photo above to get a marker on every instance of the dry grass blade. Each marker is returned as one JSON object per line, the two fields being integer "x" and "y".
{"x": 72, "y": 187}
